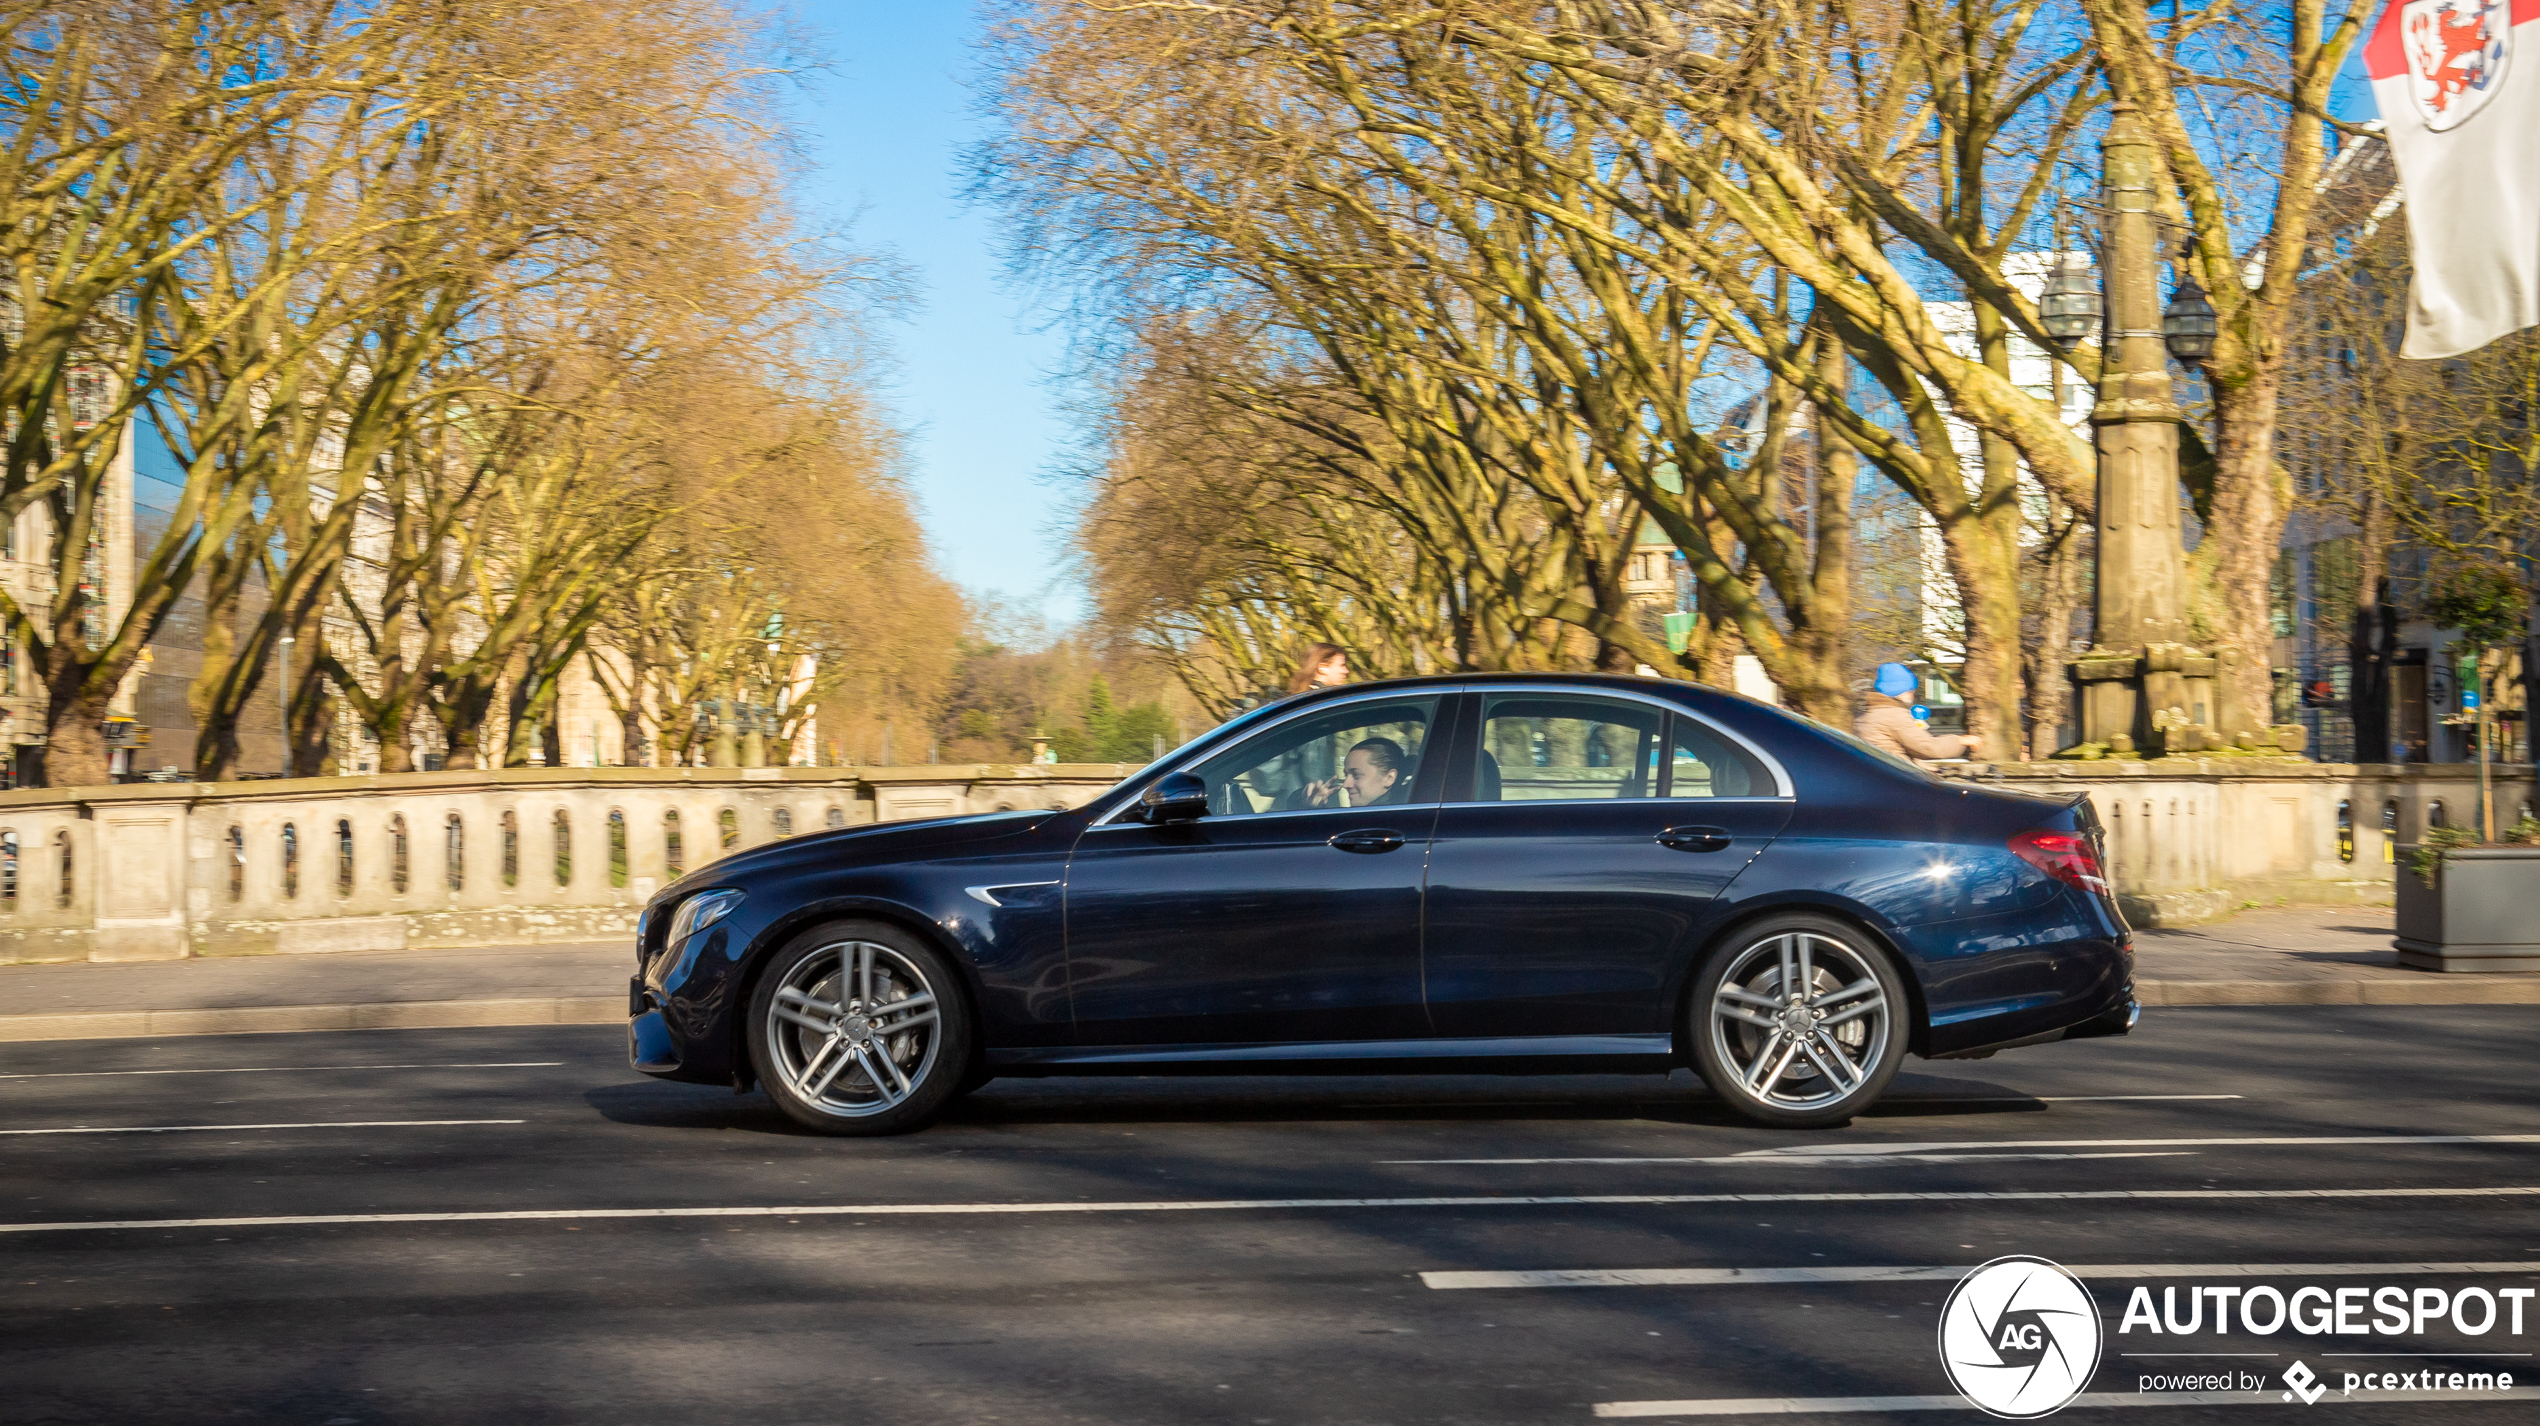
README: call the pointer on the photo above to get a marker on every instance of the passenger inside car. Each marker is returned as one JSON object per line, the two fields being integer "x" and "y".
{"x": 1364, "y": 755}
{"x": 1374, "y": 774}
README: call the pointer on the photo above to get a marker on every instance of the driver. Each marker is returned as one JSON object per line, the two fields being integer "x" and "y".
{"x": 1372, "y": 775}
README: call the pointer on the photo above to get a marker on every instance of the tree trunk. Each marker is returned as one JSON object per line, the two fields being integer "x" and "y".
{"x": 635, "y": 752}
{"x": 638, "y": 750}
{"x": 312, "y": 713}
{"x": 533, "y": 716}
{"x": 216, "y": 747}
{"x": 2251, "y": 500}
{"x": 462, "y": 714}
{"x": 2049, "y": 680}
{"x": 519, "y": 722}
{"x": 1987, "y": 569}
{"x": 2372, "y": 636}
{"x": 75, "y": 733}
{"x": 1820, "y": 642}
{"x": 215, "y": 718}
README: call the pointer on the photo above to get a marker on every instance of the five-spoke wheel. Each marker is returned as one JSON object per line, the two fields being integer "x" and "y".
{"x": 1799, "y": 1021}
{"x": 859, "y": 1028}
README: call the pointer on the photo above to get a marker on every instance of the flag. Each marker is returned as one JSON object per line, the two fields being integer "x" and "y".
{"x": 2458, "y": 85}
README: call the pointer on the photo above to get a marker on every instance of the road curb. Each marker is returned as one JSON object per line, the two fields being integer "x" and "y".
{"x": 279, "y": 1019}
{"x": 2424, "y": 990}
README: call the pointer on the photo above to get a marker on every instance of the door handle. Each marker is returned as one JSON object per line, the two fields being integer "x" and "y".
{"x": 1695, "y": 839}
{"x": 1368, "y": 839}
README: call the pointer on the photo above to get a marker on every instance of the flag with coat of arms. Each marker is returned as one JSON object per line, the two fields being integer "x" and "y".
{"x": 2458, "y": 85}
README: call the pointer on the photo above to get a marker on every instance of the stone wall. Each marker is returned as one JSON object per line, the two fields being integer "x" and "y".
{"x": 161, "y": 871}
{"x": 2191, "y": 839}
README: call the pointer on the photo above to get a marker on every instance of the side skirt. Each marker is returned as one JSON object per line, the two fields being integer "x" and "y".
{"x": 1527, "y": 1054}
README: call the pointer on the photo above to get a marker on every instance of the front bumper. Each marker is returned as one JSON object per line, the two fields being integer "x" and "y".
{"x": 649, "y": 1046}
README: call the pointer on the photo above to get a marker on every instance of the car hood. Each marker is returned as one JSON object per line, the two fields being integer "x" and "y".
{"x": 849, "y": 846}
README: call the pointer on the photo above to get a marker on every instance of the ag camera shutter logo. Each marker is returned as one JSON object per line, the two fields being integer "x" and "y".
{"x": 2019, "y": 1337}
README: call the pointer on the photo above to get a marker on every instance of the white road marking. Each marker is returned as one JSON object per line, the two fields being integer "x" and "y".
{"x": 1230, "y": 1205}
{"x": 1733, "y": 1277}
{"x": 1837, "y": 1152}
{"x": 1812, "y": 1405}
{"x": 216, "y": 1128}
{"x": 2048, "y": 1098}
{"x": 2121, "y": 1098}
{"x": 285, "y": 1069}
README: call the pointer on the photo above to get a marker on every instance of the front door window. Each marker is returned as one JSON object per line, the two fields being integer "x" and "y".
{"x": 1357, "y": 755}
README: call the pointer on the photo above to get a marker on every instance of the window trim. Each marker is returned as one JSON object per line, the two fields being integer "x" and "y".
{"x": 1482, "y": 692}
{"x": 1445, "y": 694}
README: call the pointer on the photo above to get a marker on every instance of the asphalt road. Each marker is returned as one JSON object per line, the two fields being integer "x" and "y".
{"x": 1001, "y": 1270}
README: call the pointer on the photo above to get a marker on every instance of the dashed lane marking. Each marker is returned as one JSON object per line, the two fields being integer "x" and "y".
{"x": 285, "y": 1069}
{"x": 1233, "y": 1205}
{"x": 1856, "y": 1150}
{"x": 1734, "y": 1277}
{"x": 2049, "y": 1098}
{"x": 240, "y": 1128}
{"x": 1816, "y": 1405}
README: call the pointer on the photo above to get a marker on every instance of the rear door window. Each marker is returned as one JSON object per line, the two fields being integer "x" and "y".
{"x": 1564, "y": 748}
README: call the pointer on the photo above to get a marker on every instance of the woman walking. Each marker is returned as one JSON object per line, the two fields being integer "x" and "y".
{"x": 1324, "y": 666}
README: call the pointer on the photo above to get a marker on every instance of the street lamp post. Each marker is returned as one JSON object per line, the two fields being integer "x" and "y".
{"x": 2144, "y": 689}
{"x": 2131, "y": 677}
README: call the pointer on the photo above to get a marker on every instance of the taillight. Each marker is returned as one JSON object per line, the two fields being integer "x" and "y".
{"x": 2063, "y": 856}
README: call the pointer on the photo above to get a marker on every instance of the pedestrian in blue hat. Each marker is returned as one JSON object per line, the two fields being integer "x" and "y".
{"x": 1888, "y": 722}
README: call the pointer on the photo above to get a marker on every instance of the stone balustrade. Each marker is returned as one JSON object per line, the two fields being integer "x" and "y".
{"x": 166, "y": 870}
{"x": 159, "y": 871}
{"x": 2190, "y": 839}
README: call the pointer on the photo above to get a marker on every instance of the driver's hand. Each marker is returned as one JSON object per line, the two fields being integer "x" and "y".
{"x": 1319, "y": 793}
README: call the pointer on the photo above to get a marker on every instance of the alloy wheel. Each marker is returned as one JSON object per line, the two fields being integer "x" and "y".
{"x": 854, "y": 1029}
{"x": 1801, "y": 1020}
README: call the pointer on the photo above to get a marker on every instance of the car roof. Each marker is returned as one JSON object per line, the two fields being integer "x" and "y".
{"x": 1621, "y": 682}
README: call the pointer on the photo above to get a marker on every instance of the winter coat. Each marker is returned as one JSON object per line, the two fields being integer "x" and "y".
{"x": 1891, "y": 726}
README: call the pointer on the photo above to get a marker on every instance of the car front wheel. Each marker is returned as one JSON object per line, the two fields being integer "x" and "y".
{"x": 860, "y": 1028}
{"x": 1798, "y": 1022}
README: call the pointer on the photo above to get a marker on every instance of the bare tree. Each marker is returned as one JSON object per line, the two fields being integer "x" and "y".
{"x": 2440, "y": 456}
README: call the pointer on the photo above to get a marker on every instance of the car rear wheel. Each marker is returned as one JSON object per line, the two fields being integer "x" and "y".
{"x": 860, "y": 1028}
{"x": 1799, "y": 1021}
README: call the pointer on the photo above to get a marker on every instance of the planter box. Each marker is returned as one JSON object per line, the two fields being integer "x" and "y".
{"x": 2481, "y": 914}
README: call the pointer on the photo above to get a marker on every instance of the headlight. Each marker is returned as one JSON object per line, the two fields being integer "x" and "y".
{"x": 697, "y": 913}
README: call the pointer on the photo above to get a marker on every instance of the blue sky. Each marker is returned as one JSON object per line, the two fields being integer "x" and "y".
{"x": 886, "y": 127}
{"x": 969, "y": 375}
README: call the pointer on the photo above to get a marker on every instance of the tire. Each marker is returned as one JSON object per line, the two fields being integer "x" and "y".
{"x": 1809, "y": 1065}
{"x": 834, "y": 1065}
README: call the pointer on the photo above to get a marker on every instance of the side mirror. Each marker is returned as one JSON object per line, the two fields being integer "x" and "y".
{"x": 1175, "y": 797}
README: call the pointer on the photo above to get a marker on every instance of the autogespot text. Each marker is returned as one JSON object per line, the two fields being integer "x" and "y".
{"x": 2390, "y": 1316}
{"x": 2331, "y": 1312}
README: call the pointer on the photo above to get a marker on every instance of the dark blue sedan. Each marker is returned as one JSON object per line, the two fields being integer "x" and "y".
{"x": 1498, "y": 873}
